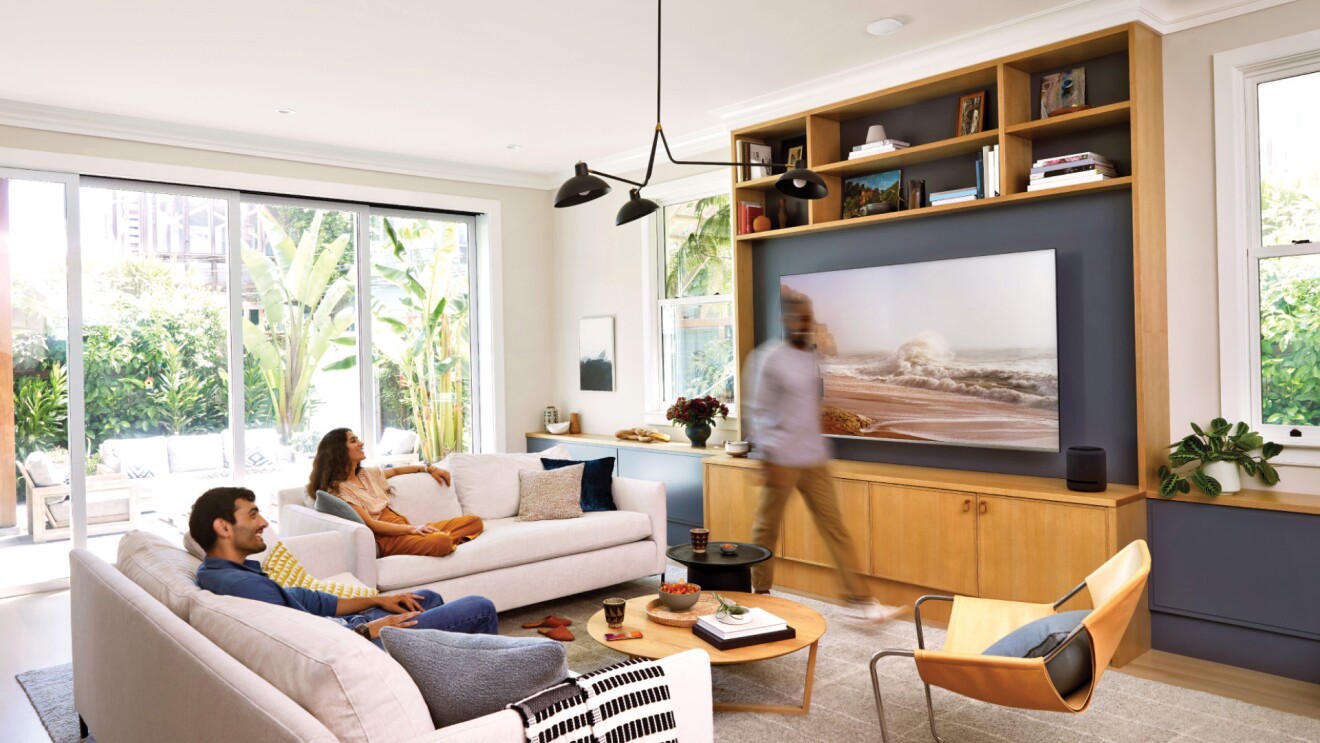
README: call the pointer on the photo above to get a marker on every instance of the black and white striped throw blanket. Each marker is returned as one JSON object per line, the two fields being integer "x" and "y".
{"x": 627, "y": 702}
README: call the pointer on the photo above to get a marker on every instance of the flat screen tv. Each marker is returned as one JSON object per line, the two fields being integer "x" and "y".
{"x": 958, "y": 352}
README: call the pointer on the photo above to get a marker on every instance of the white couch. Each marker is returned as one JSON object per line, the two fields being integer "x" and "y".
{"x": 155, "y": 658}
{"x": 514, "y": 563}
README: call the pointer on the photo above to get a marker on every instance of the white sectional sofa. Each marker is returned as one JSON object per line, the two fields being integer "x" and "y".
{"x": 155, "y": 658}
{"x": 514, "y": 563}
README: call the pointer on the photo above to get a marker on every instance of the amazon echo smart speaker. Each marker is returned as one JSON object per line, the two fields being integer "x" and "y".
{"x": 1086, "y": 469}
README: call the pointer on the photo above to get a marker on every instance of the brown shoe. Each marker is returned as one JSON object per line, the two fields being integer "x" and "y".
{"x": 550, "y": 621}
{"x": 561, "y": 634}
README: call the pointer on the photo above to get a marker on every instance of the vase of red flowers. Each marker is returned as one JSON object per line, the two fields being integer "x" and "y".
{"x": 697, "y": 415}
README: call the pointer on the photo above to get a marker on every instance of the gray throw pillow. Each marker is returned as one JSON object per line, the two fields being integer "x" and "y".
{"x": 463, "y": 677}
{"x": 326, "y": 503}
{"x": 1070, "y": 669}
{"x": 550, "y": 494}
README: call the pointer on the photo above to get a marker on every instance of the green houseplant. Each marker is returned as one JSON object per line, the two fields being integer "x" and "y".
{"x": 698, "y": 415}
{"x": 1208, "y": 458}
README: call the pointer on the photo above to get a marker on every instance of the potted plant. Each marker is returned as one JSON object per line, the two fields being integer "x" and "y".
{"x": 698, "y": 415}
{"x": 1209, "y": 459}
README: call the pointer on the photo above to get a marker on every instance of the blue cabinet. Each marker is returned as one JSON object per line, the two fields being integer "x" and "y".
{"x": 680, "y": 472}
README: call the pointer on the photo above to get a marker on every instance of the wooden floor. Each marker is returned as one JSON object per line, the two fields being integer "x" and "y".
{"x": 1253, "y": 687}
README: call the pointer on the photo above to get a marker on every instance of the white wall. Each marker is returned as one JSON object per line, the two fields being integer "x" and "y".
{"x": 525, "y": 228}
{"x": 1189, "y": 145}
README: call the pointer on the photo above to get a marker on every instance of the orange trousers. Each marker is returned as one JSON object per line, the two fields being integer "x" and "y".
{"x": 453, "y": 532}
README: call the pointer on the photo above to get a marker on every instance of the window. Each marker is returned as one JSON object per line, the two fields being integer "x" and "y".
{"x": 1269, "y": 208}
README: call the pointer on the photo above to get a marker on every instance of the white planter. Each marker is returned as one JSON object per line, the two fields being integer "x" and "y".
{"x": 1227, "y": 475}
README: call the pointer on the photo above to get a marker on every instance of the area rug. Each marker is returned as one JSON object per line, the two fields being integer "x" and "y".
{"x": 1126, "y": 709}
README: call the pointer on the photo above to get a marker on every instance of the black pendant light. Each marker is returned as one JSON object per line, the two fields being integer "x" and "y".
{"x": 634, "y": 208}
{"x": 585, "y": 185}
{"x": 581, "y": 188}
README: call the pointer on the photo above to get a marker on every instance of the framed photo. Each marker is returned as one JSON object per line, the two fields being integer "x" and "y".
{"x": 794, "y": 149}
{"x": 971, "y": 113}
{"x": 596, "y": 354}
{"x": 1062, "y": 92}
{"x": 759, "y": 155}
{"x": 871, "y": 194}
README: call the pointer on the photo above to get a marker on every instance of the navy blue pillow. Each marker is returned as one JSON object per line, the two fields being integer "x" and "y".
{"x": 1068, "y": 670}
{"x": 597, "y": 481}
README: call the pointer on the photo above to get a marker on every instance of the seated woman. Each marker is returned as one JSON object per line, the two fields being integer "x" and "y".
{"x": 337, "y": 469}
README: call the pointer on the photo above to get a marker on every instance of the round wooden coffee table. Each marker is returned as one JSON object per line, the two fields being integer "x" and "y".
{"x": 661, "y": 641}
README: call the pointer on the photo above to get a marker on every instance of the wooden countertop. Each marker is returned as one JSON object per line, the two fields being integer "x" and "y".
{"x": 1263, "y": 500}
{"x": 682, "y": 448}
{"x": 990, "y": 483}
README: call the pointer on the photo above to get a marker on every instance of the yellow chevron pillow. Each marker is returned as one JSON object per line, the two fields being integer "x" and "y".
{"x": 284, "y": 569}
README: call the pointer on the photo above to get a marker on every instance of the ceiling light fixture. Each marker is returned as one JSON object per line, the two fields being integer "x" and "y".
{"x": 884, "y": 26}
{"x": 585, "y": 184}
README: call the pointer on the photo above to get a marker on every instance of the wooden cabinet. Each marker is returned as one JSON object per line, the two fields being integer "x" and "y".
{"x": 1032, "y": 550}
{"x": 924, "y": 537}
{"x": 802, "y": 540}
{"x": 729, "y": 516}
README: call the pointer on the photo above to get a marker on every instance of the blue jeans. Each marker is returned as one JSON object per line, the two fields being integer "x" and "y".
{"x": 473, "y": 615}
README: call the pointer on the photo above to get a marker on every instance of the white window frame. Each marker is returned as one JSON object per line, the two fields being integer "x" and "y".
{"x": 713, "y": 183}
{"x": 1238, "y": 72}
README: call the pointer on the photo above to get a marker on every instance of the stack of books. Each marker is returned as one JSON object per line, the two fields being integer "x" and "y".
{"x": 971, "y": 193}
{"x": 747, "y": 213}
{"x": 987, "y": 171}
{"x": 763, "y": 627}
{"x": 872, "y": 148}
{"x": 1082, "y": 167}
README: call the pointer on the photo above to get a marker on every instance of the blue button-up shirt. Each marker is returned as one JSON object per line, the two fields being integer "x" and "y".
{"x": 246, "y": 580}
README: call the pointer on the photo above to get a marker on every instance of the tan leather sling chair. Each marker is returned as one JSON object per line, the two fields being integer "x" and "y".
{"x": 976, "y": 624}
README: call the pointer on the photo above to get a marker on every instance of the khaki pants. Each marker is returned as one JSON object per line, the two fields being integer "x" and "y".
{"x": 817, "y": 488}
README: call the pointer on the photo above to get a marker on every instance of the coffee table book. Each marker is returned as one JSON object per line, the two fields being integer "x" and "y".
{"x": 700, "y": 630}
{"x": 758, "y": 621}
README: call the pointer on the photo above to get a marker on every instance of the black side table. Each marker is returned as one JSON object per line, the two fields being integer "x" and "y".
{"x": 714, "y": 571}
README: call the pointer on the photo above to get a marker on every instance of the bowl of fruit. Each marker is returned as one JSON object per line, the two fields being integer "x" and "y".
{"x": 679, "y": 596}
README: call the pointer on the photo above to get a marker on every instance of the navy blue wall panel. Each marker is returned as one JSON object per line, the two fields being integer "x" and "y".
{"x": 1268, "y": 652}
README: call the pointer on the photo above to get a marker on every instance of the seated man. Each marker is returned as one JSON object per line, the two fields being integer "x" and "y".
{"x": 227, "y": 524}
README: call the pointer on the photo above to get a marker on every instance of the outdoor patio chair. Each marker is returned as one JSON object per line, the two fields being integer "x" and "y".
{"x": 113, "y": 505}
{"x": 976, "y": 624}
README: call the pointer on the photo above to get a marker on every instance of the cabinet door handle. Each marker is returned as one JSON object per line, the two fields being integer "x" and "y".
{"x": 985, "y": 507}
{"x": 967, "y": 505}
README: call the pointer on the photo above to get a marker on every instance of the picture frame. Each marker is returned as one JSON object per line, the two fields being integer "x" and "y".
{"x": 760, "y": 156}
{"x": 877, "y": 193}
{"x": 793, "y": 149}
{"x": 596, "y": 354}
{"x": 971, "y": 113}
{"x": 1063, "y": 92}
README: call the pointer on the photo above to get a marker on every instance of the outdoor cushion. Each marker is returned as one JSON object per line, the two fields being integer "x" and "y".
{"x": 487, "y": 484}
{"x": 496, "y": 671}
{"x": 166, "y": 572}
{"x": 396, "y": 441}
{"x": 45, "y": 471}
{"x": 550, "y": 494}
{"x": 509, "y": 542}
{"x": 195, "y": 453}
{"x": 353, "y": 687}
{"x": 140, "y": 458}
{"x": 1070, "y": 668}
{"x": 597, "y": 481}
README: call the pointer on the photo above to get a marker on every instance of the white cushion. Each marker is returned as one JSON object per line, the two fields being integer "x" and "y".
{"x": 487, "y": 484}
{"x": 395, "y": 441}
{"x": 45, "y": 471}
{"x": 195, "y": 453}
{"x": 509, "y": 542}
{"x": 419, "y": 498}
{"x": 350, "y": 685}
{"x": 161, "y": 569}
{"x": 140, "y": 458}
{"x": 262, "y": 446}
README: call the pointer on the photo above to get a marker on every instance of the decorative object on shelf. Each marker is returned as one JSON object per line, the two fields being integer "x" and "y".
{"x": 731, "y": 612}
{"x": 916, "y": 194}
{"x": 699, "y": 537}
{"x": 875, "y": 188}
{"x": 759, "y": 156}
{"x": 614, "y": 612}
{"x": 596, "y": 354}
{"x": 558, "y": 428}
{"x": 737, "y": 448}
{"x": 698, "y": 415}
{"x": 876, "y": 133}
{"x": 574, "y": 423}
{"x": 679, "y": 596}
{"x": 728, "y": 549}
{"x": 1086, "y": 469}
{"x": 586, "y": 184}
{"x": 793, "y": 149}
{"x": 640, "y": 434}
{"x": 551, "y": 415}
{"x": 748, "y": 213}
{"x": 880, "y": 207}
{"x": 783, "y": 213}
{"x": 1067, "y": 170}
{"x": 1209, "y": 459}
{"x": 971, "y": 113}
{"x": 1063, "y": 92}
{"x": 761, "y": 224}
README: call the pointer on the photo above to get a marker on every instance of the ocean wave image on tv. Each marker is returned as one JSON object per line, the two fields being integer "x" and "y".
{"x": 957, "y": 352}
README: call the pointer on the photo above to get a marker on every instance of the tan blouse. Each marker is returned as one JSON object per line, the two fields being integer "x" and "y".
{"x": 373, "y": 495}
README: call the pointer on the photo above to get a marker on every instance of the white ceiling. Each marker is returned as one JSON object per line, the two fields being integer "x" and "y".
{"x": 444, "y": 87}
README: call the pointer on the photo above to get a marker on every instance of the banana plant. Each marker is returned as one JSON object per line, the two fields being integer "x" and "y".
{"x": 307, "y": 306}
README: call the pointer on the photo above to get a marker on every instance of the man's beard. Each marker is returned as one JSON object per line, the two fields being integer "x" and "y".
{"x": 802, "y": 339}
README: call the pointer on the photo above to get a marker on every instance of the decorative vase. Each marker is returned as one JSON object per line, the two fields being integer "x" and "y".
{"x": 1227, "y": 475}
{"x": 783, "y": 213}
{"x": 551, "y": 415}
{"x": 697, "y": 434}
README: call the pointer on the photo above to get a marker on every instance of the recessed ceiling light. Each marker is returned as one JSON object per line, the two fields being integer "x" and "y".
{"x": 514, "y": 147}
{"x": 285, "y": 111}
{"x": 884, "y": 26}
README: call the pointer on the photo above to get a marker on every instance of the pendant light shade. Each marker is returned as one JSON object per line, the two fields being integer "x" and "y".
{"x": 801, "y": 183}
{"x": 634, "y": 208}
{"x": 581, "y": 188}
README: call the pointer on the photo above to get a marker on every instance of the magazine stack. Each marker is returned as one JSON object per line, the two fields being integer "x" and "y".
{"x": 762, "y": 627}
{"x": 1069, "y": 170}
{"x": 873, "y": 148}
{"x": 971, "y": 193}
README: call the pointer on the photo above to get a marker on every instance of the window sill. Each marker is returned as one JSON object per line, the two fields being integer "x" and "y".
{"x": 657, "y": 418}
